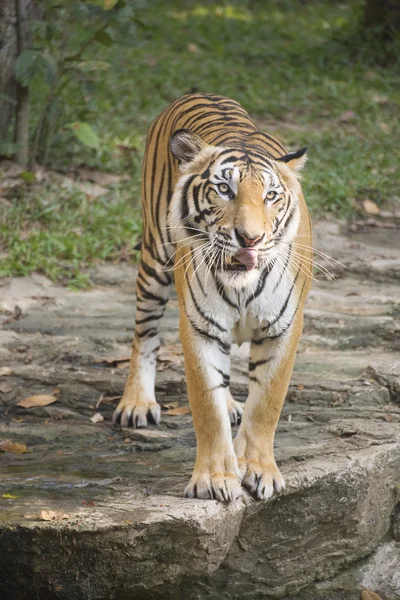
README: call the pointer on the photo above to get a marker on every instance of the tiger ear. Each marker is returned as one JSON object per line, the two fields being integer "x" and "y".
{"x": 295, "y": 160}
{"x": 185, "y": 145}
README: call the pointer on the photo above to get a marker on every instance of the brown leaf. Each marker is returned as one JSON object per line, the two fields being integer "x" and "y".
{"x": 56, "y": 391}
{"x": 97, "y": 418}
{"x": 123, "y": 365}
{"x": 368, "y": 595}
{"x": 104, "y": 179}
{"x": 8, "y": 446}
{"x": 180, "y": 410}
{"x": 370, "y": 207}
{"x": 115, "y": 359}
{"x": 28, "y": 358}
{"x": 171, "y": 405}
{"x": 53, "y": 515}
{"x": 5, "y": 371}
{"x": 193, "y": 48}
{"x": 5, "y": 388}
{"x": 300, "y": 387}
{"x": 388, "y": 418}
{"x": 40, "y": 400}
{"x": 88, "y": 503}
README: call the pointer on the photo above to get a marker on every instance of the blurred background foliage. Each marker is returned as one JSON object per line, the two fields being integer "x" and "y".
{"x": 308, "y": 71}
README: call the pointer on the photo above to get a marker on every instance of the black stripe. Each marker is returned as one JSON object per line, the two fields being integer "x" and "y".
{"x": 261, "y": 283}
{"x": 257, "y": 363}
{"x": 185, "y": 200}
{"x": 150, "y": 296}
{"x": 284, "y": 306}
{"x": 152, "y": 332}
{"x": 284, "y": 268}
{"x": 147, "y": 319}
{"x": 153, "y": 273}
{"x": 223, "y": 346}
{"x": 201, "y": 311}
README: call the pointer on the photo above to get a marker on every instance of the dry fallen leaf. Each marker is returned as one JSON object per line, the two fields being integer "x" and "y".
{"x": 370, "y": 207}
{"x": 52, "y": 515}
{"x": 28, "y": 358}
{"x": 56, "y": 391}
{"x": 101, "y": 178}
{"x": 368, "y": 595}
{"x": 41, "y": 400}
{"x": 123, "y": 365}
{"x": 300, "y": 387}
{"x": 4, "y": 371}
{"x": 180, "y": 410}
{"x": 8, "y": 446}
{"x": 117, "y": 359}
{"x": 5, "y": 388}
{"x": 88, "y": 503}
{"x": 97, "y": 418}
{"x": 193, "y": 48}
{"x": 171, "y": 405}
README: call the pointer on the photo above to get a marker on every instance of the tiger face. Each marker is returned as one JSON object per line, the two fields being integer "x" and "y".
{"x": 235, "y": 202}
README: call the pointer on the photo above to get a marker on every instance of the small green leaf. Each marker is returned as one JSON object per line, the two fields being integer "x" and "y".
{"x": 27, "y": 65}
{"x": 28, "y": 176}
{"x": 103, "y": 38}
{"x": 9, "y": 496}
{"x": 85, "y": 134}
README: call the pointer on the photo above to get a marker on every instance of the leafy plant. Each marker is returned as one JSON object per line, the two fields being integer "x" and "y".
{"x": 62, "y": 39}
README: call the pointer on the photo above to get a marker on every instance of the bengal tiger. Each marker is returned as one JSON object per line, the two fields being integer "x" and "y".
{"x": 222, "y": 203}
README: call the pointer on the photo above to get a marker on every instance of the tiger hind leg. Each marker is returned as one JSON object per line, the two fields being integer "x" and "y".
{"x": 152, "y": 291}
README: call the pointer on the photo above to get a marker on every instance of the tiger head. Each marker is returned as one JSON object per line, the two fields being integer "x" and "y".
{"x": 237, "y": 200}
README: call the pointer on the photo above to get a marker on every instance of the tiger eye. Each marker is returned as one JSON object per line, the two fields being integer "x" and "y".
{"x": 223, "y": 188}
{"x": 271, "y": 195}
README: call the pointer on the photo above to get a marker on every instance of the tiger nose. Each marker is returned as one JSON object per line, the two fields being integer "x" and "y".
{"x": 245, "y": 240}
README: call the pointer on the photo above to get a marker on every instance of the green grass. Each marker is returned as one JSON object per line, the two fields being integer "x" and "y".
{"x": 307, "y": 71}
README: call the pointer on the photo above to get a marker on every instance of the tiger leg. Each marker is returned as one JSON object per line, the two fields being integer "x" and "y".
{"x": 215, "y": 473}
{"x": 270, "y": 368}
{"x": 152, "y": 290}
{"x": 235, "y": 409}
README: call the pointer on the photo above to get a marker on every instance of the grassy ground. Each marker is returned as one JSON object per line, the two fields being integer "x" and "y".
{"x": 305, "y": 70}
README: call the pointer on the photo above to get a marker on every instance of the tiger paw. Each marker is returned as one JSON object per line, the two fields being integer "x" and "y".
{"x": 224, "y": 487}
{"x": 135, "y": 413}
{"x": 261, "y": 478}
{"x": 235, "y": 410}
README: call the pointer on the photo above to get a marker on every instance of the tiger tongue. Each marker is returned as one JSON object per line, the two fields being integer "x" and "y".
{"x": 248, "y": 257}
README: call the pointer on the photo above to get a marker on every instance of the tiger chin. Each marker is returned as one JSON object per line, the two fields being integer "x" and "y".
{"x": 224, "y": 213}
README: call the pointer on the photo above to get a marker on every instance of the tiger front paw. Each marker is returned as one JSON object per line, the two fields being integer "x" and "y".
{"x": 215, "y": 479}
{"x": 224, "y": 487}
{"x": 135, "y": 412}
{"x": 262, "y": 479}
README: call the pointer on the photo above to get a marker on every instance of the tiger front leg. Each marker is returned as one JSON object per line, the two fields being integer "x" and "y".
{"x": 138, "y": 401}
{"x": 207, "y": 361}
{"x": 270, "y": 368}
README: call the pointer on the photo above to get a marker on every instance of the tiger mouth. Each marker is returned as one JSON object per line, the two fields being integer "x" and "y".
{"x": 234, "y": 265}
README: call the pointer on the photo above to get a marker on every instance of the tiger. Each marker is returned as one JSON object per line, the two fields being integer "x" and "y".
{"x": 224, "y": 212}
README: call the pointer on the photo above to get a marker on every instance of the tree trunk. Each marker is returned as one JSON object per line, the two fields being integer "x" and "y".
{"x": 24, "y": 42}
{"x": 8, "y": 53}
{"x": 384, "y": 14}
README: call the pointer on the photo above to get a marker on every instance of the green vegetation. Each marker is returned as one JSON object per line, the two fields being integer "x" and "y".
{"x": 307, "y": 71}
